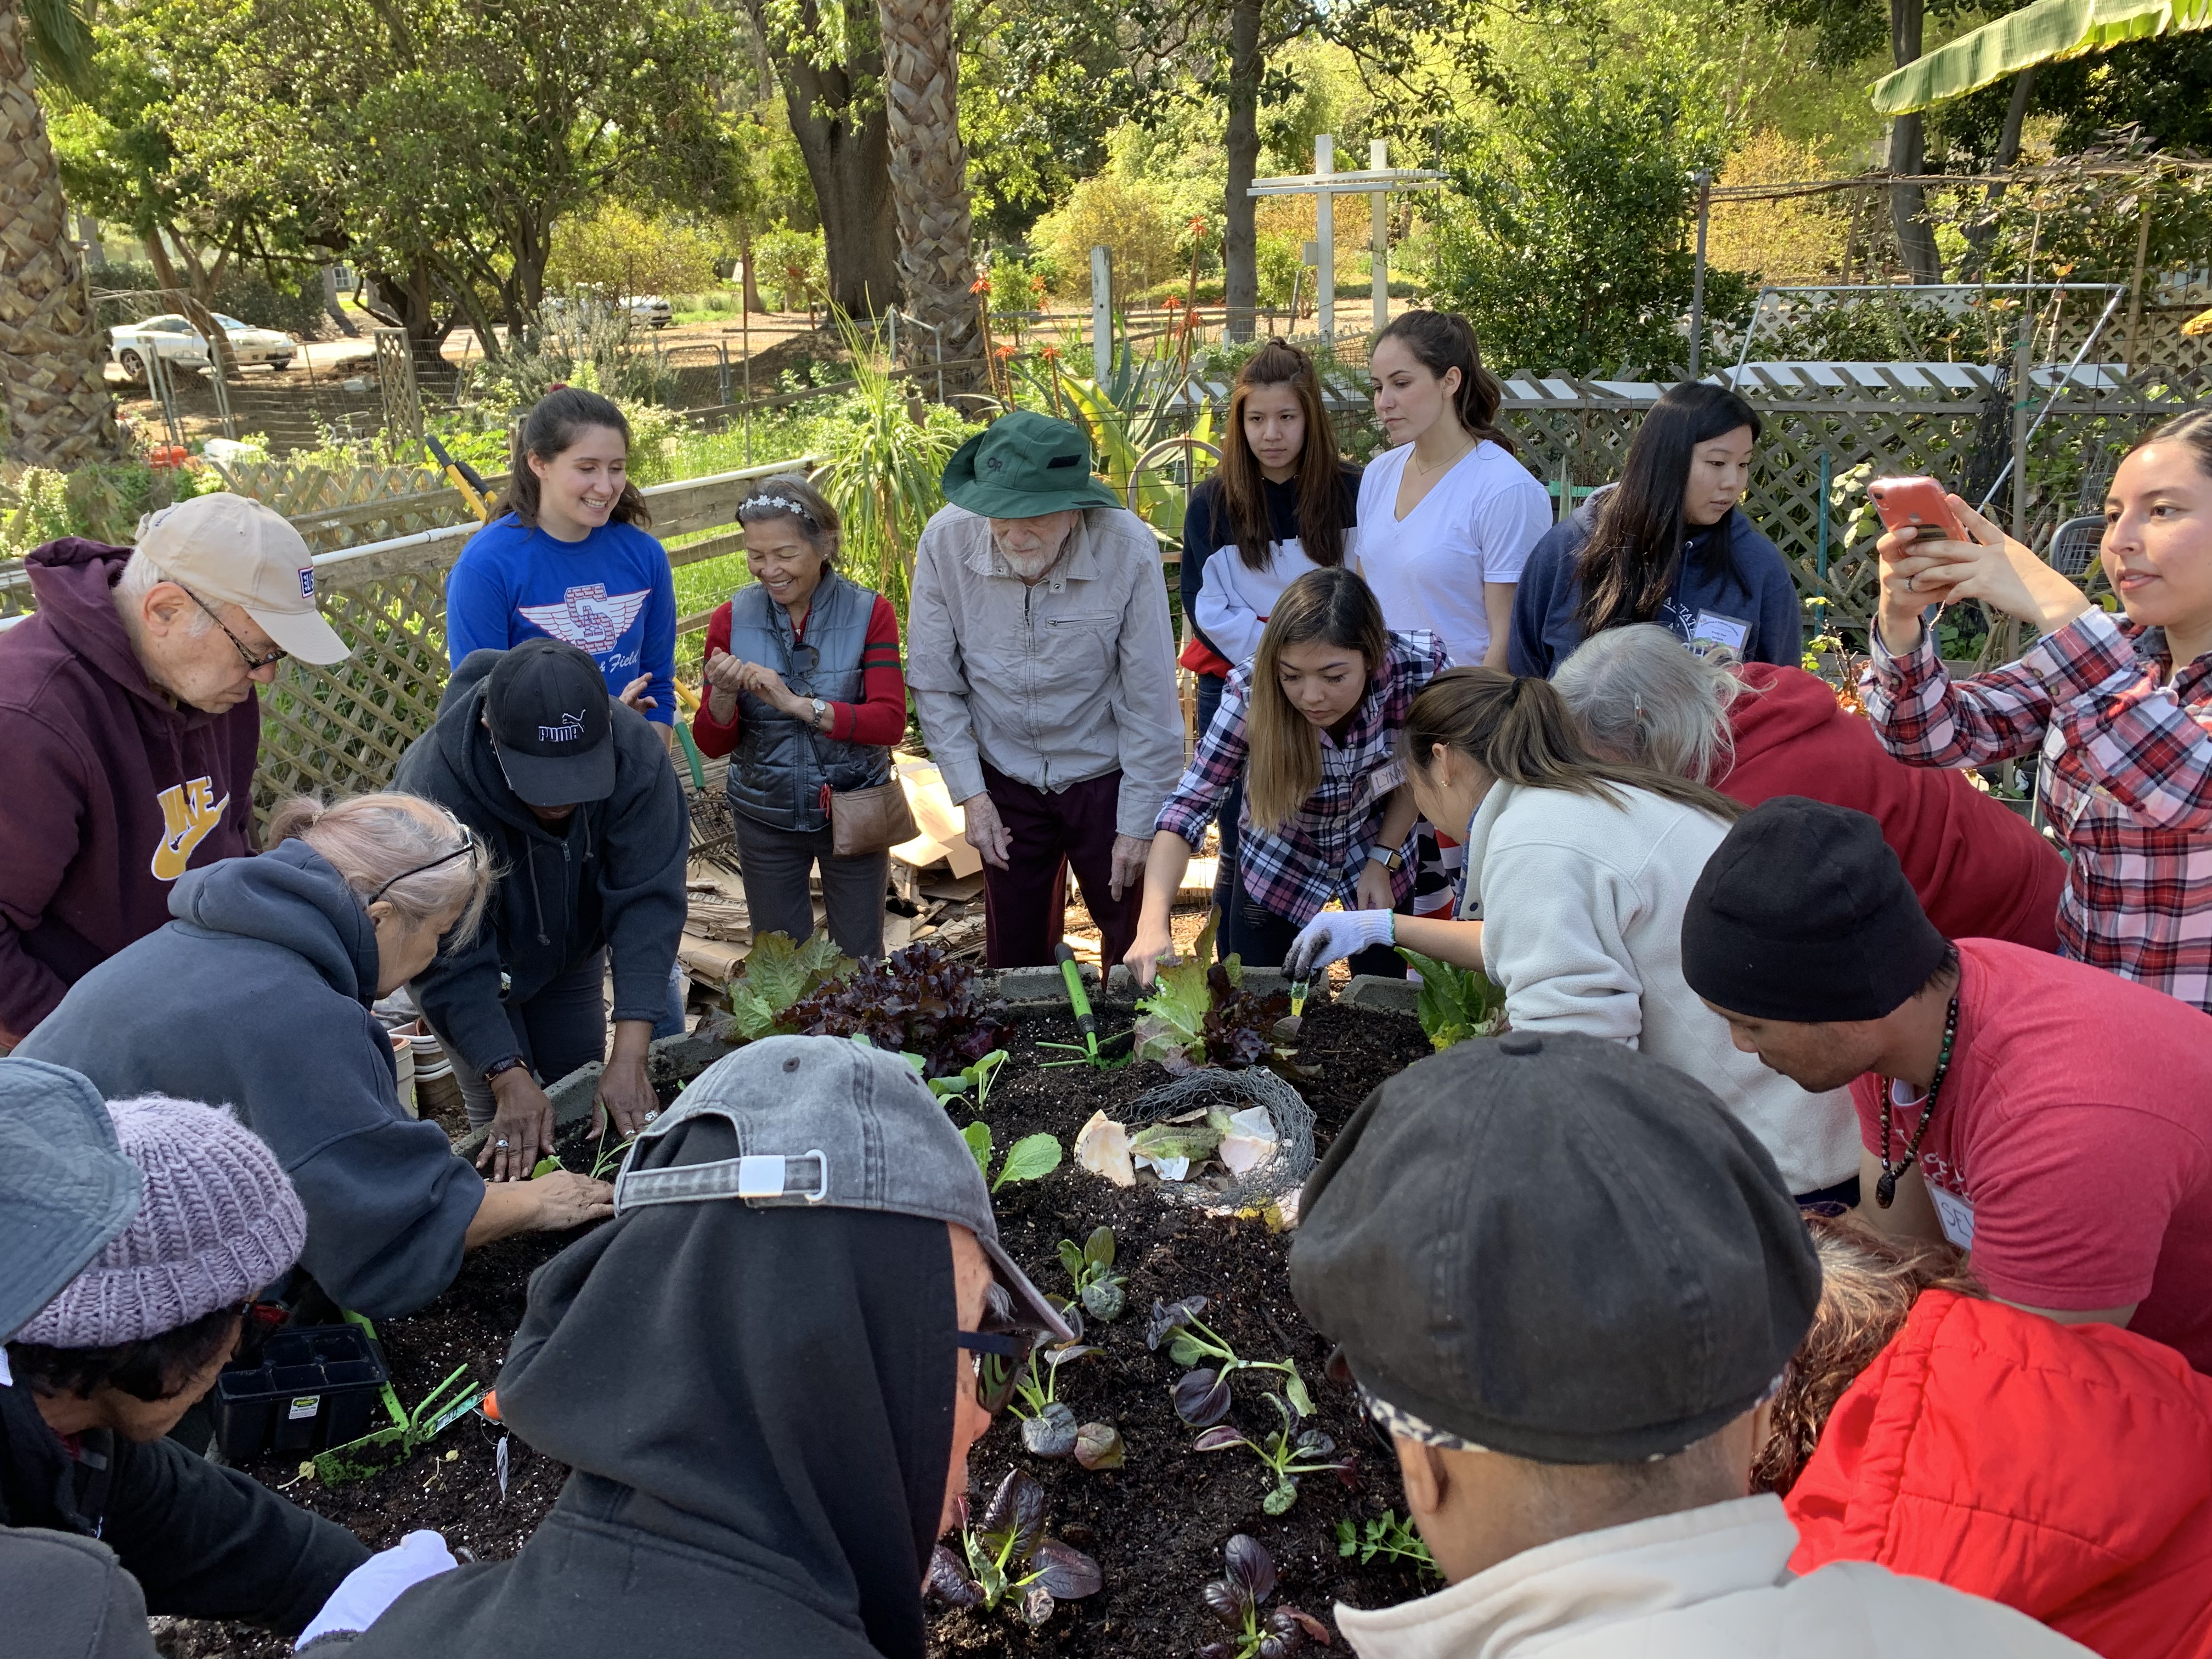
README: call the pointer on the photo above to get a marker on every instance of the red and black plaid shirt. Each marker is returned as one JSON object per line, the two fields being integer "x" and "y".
{"x": 2125, "y": 781}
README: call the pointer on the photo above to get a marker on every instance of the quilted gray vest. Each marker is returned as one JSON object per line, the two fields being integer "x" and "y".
{"x": 781, "y": 765}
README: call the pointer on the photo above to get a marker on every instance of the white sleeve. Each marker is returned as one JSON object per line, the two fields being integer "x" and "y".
{"x": 1224, "y": 614}
{"x": 1553, "y": 935}
{"x": 1510, "y": 522}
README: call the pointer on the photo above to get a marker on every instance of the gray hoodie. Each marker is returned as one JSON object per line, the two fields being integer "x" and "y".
{"x": 258, "y": 997}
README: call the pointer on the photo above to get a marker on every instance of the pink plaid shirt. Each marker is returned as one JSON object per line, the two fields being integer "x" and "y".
{"x": 2125, "y": 781}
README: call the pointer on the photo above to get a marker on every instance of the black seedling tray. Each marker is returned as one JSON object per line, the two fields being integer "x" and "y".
{"x": 309, "y": 1387}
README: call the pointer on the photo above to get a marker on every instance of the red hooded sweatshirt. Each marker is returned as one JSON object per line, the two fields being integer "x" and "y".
{"x": 2063, "y": 1470}
{"x": 109, "y": 789}
{"x": 1980, "y": 871}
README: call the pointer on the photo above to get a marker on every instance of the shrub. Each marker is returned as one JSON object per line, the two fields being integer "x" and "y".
{"x": 1131, "y": 216}
{"x": 617, "y": 250}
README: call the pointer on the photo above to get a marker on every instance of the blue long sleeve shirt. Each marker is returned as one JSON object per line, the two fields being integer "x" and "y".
{"x": 611, "y": 594}
{"x": 1751, "y": 606}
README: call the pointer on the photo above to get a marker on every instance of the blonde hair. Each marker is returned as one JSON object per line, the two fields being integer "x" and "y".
{"x": 376, "y": 842}
{"x": 1329, "y": 607}
{"x": 1639, "y": 694}
{"x": 1868, "y": 1286}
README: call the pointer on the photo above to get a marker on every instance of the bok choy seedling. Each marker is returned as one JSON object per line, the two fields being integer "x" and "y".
{"x": 1009, "y": 1557}
{"x": 1201, "y": 1395}
{"x": 1288, "y": 1453}
{"x": 1031, "y": 1158}
{"x": 1048, "y": 1428}
{"x": 1235, "y": 1599}
{"x": 1090, "y": 1265}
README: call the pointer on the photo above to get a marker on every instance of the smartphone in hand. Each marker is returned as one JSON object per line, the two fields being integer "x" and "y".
{"x": 1918, "y": 504}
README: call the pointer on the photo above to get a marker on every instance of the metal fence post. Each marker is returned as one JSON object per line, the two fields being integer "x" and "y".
{"x": 1101, "y": 313}
{"x": 222, "y": 392}
{"x": 164, "y": 390}
{"x": 1698, "y": 276}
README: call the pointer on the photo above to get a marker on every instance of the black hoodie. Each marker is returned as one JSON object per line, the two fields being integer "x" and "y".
{"x": 757, "y": 1405}
{"x": 109, "y": 789}
{"x": 612, "y": 876}
{"x": 257, "y": 997}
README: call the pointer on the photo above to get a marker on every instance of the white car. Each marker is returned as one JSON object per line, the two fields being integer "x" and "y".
{"x": 651, "y": 310}
{"x": 173, "y": 339}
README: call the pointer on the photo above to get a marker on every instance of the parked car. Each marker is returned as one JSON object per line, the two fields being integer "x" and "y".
{"x": 174, "y": 340}
{"x": 650, "y": 309}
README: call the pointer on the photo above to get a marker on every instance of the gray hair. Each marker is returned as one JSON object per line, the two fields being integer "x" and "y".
{"x": 788, "y": 495}
{"x": 1638, "y": 694}
{"x": 140, "y": 576}
{"x": 380, "y": 843}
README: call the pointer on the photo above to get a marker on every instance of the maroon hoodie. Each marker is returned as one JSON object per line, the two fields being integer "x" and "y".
{"x": 109, "y": 790}
{"x": 1981, "y": 869}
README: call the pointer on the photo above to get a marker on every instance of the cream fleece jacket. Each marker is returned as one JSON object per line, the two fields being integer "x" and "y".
{"x": 1581, "y": 901}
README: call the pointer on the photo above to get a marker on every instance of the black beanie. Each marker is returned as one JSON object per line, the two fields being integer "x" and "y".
{"x": 1803, "y": 913}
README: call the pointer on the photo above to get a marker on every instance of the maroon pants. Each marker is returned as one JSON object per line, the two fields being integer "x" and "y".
{"x": 1024, "y": 905}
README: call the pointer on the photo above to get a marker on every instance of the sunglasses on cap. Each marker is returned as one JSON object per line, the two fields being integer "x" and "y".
{"x": 466, "y": 849}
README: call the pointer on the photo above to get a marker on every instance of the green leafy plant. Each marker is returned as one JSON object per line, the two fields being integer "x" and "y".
{"x": 1386, "y": 1539}
{"x": 971, "y": 1083}
{"x": 1198, "y": 1012}
{"x": 1031, "y": 1158}
{"x": 776, "y": 976}
{"x": 1009, "y": 1555}
{"x": 1286, "y": 1452}
{"x": 1049, "y": 1428}
{"x": 1456, "y": 1002}
{"x": 1235, "y": 1599}
{"x": 1090, "y": 1265}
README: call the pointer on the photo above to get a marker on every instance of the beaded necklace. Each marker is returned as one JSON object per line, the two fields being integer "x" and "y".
{"x": 1885, "y": 1189}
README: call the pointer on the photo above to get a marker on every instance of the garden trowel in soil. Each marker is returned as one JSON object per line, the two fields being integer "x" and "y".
{"x": 443, "y": 1407}
{"x": 1087, "y": 1052}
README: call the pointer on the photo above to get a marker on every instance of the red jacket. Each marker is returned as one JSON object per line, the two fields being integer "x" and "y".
{"x": 2064, "y": 1470}
{"x": 1980, "y": 871}
{"x": 109, "y": 790}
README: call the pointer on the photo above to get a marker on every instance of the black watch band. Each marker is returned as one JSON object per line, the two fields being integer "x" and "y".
{"x": 498, "y": 1066}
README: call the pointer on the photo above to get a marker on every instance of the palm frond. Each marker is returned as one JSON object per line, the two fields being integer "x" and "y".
{"x": 61, "y": 43}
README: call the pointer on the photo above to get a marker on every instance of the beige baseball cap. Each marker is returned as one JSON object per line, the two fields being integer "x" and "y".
{"x": 231, "y": 550}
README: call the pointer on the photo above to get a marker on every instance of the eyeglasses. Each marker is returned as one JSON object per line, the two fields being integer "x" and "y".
{"x": 253, "y": 664}
{"x": 467, "y": 848}
{"x": 997, "y": 1359}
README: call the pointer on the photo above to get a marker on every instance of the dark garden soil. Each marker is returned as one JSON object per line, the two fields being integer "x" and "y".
{"x": 1155, "y": 1526}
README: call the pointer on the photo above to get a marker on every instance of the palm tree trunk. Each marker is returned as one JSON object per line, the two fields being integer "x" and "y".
{"x": 929, "y": 178}
{"x": 1240, "y": 242}
{"x": 52, "y": 370}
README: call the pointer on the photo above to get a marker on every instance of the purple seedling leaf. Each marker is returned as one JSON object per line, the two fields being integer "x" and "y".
{"x": 1201, "y": 1397}
{"x": 1015, "y": 1513}
{"x": 1066, "y": 1571}
{"x": 1251, "y": 1565}
{"x": 1220, "y": 1439}
{"x": 1051, "y": 1433}
{"x": 1312, "y": 1626}
{"x": 1098, "y": 1446}
{"x": 1169, "y": 1317}
{"x": 949, "y": 1581}
{"x": 1036, "y": 1606}
{"x": 1226, "y": 1601}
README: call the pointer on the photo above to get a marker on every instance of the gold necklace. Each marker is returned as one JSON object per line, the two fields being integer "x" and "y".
{"x": 1420, "y": 472}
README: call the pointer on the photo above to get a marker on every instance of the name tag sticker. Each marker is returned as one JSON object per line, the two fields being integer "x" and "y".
{"x": 1714, "y": 629}
{"x": 1956, "y": 1215}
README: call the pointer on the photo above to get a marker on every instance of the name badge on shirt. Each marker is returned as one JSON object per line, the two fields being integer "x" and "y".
{"x": 1714, "y": 628}
{"x": 1956, "y": 1215}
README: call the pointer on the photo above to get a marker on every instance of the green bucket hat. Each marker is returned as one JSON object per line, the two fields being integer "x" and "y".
{"x": 1024, "y": 466}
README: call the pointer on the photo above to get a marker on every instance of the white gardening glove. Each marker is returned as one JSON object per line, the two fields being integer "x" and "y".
{"x": 1333, "y": 935}
{"x": 377, "y": 1583}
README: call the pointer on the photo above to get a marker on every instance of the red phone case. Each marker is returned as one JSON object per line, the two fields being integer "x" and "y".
{"x": 1919, "y": 502}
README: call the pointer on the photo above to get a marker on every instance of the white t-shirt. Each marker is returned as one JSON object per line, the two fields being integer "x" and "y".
{"x": 1476, "y": 525}
{"x": 1235, "y": 601}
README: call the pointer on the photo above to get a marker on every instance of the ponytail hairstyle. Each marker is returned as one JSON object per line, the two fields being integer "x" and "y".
{"x": 1320, "y": 483}
{"x": 2194, "y": 428}
{"x": 1634, "y": 554}
{"x": 1638, "y": 694}
{"x": 1322, "y": 607}
{"x": 401, "y": 849}
{"x": 1441, "y": 340}
{"x": 1517, "y": 729}
{"x": 560, "y": 417}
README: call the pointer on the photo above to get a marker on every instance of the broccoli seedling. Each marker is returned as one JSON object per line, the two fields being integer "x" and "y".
{"x": 1048, "y": 1428}
{"x": 1286, "y": 1452}
{"x": 1388, "y": 1538}
{"x": 1201, "y": 1396}
{"x": 1031, "y": 1158}
{"x": 1090, "y": 1265}
{"x": 970, "y": 1083}
{"x": 1008, "y": 1556}
{"x": 1235, "y": 1599}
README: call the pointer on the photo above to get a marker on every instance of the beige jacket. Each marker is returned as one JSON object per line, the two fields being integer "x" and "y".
{"x": 1708, "y": 1584}
{"x": 1052, "y": 684}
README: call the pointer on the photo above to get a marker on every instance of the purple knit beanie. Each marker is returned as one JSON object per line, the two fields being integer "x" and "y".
{"x": 219, "y": 1222}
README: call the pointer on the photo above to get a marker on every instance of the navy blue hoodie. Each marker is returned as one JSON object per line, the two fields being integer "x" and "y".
{"x": 612, "y": 875}
{"x": 1756, "y": 587}
{"x": 257, "y": 997}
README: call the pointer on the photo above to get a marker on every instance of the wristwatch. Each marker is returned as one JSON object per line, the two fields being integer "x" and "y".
{"x": 821, "y": 713}
{"x": 497, "y": 1067}
{"x": 1392, "y": 861}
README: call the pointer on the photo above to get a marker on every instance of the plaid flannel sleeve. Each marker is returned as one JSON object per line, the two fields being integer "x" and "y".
{"x": 1219, "y": 763}
{"x": 1925, "y": 718}
{"x": 2133, "y": 735}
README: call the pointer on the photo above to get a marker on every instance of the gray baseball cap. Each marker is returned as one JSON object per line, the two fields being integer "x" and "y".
{"x": 66, "y": 1188}
{"x": 824, "y": 1120}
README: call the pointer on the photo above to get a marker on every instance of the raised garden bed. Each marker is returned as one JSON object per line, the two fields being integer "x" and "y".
{"x": 1156, "y": 1526}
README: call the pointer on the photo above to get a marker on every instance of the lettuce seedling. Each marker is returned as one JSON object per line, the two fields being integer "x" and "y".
{"x": 1008, "y": 1555}
{"x": 1389, "y": 1539}
{"x": 1090, "y": 1265}
{"x": 1048, "y": 1428}
{"x": 1031, "y": 1158}
{"x": 1456, "y": 1002}
{"x": 1287, "y": 1452}
{"x": 921, "y": 1001}
{"x": 1200, "y": 1014}
{"x": 776, "y": 975}
{"x": 1201, "y": 1396}
{"x": 1235, "y": 1599}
